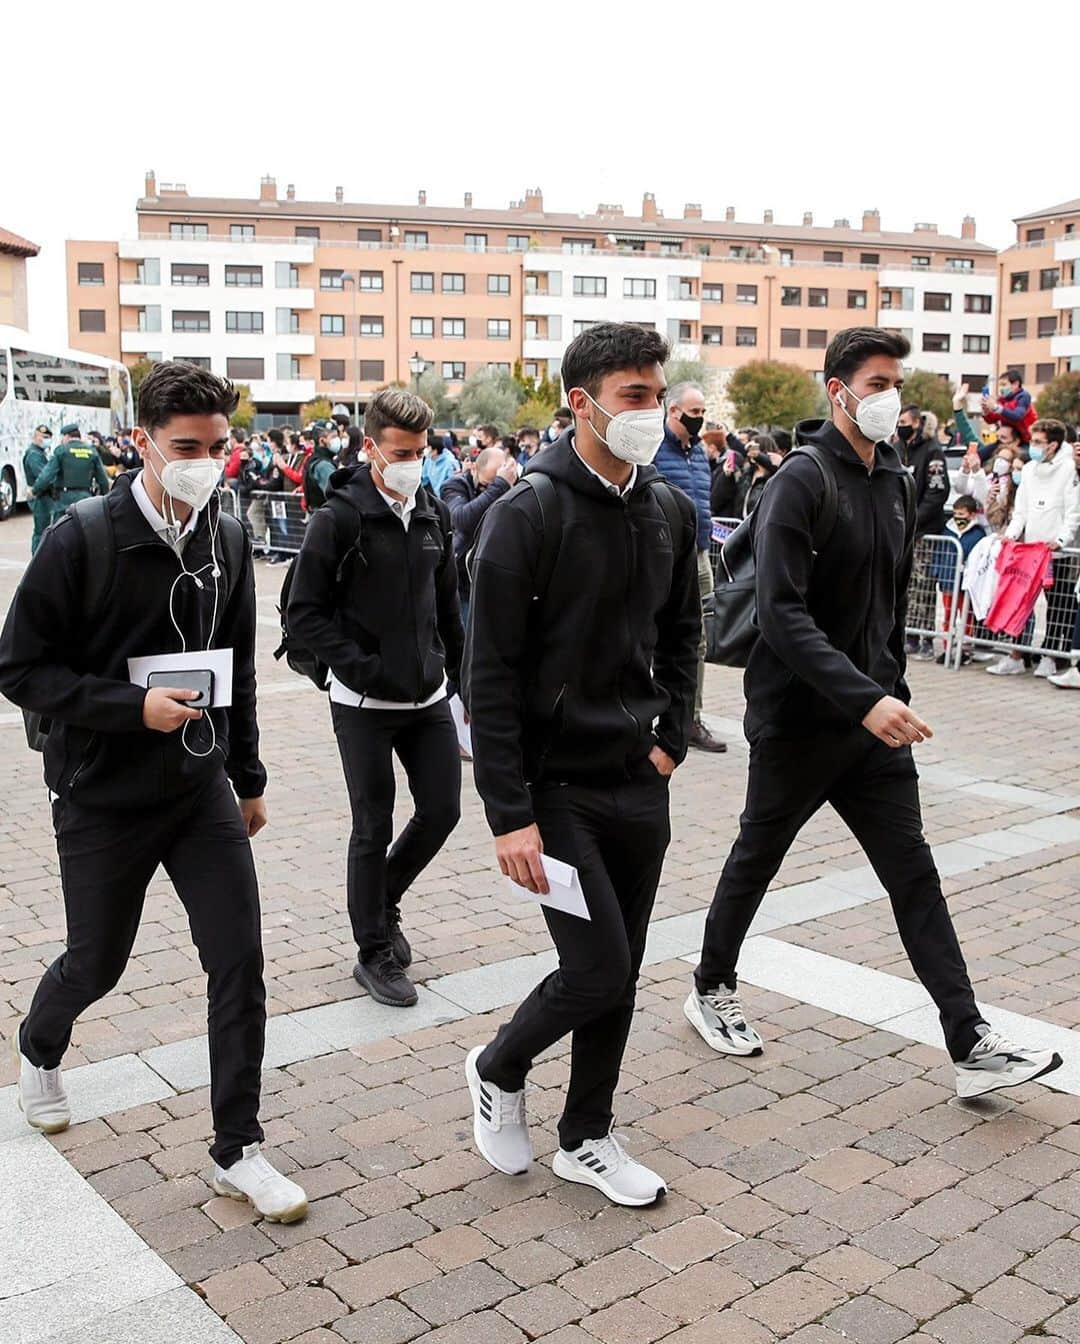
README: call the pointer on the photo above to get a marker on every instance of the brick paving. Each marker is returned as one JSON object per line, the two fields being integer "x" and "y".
{"x": 830, "y": 1190}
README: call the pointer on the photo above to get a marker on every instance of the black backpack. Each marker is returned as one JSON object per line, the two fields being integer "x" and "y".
{"x": 731, "y": 629}
{"x": 94, "y": 520}
{"x": 297, "y": 655}
{"x": 314, "y": 494}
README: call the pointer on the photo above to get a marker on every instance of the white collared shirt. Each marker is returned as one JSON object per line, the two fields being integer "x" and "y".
{"x": 161, "y": 526}
{"x": 400, "y": 509}
{"x": 619, "y": 491}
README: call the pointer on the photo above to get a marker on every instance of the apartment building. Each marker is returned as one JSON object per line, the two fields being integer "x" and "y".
{"x": 14, "y": 254}
{"x": 305, "y": 297}
{"x": 1039, "y": 324}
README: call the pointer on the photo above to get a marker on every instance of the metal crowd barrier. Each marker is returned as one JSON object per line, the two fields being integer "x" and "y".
{"x": 274, "y": 520}
{"x": 1053, "y": 628}
{"x": 934, "y": 597}
{"x": 722, "y": 528}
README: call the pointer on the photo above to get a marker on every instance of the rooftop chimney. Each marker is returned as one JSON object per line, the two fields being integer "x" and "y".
{"x": 268, "y": 189}
{"x": 290, "y": 192}
{"x": 871, "y": 221}
{"x": 150, "y": 188}
{"x": 729, "y": 214}
{"x": 339, "y": 194}
{"x": 841, "y": 223}
{"x": 648, "y": 207}
{"x": 808, "y": 219}
{"x": 967, "y": 229}
{"x": 534, "y": 200}
{"x": 768, "y": 216}
{"x": 421, "y": 197}
{"x": 691, "y": 211}
{"x": 468, "y": 200}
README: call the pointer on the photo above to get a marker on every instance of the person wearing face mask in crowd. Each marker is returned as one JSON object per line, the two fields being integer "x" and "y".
{"x": 560, "y": 423}
{"x": 828, "y": 714}
{"x": 1013, "y": 406}
{"x": 1047, "y": 510}
{"x": 374, "y": 595}
{"x": 682, "y": 461}
{"x": 468, "y": 496}
{"x": 924, "y": 458}
{"x": 73, "y": 472}
{"x": 142, "y": 779}
{"x": 580, "y": 672}
{"x": 763, "y": 462}
{"x": 968, "y": 529}
{"x": 439, "y": 464}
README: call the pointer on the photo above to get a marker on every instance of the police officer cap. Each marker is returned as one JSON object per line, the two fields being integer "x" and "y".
{"x": 70, "y": 429}
{"x": 43, "y": 429}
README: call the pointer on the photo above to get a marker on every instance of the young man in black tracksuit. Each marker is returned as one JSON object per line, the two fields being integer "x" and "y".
{"x": 828, "y": 714}
{"x": 580, "y": 673}
{"x": 374, "y": 596}
{"x": 138, "y": 778}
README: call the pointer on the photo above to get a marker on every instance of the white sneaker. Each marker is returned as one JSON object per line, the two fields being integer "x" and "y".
{"x": 1006, "y": 667}
{"x": 1046, "y": 667}
{"x": 1069, "y": 680}
{"x": 500, "y": 1128}
{"x": 605, "y": 1164}
{"x": 41, "y": 1094}
{"x": 995, "y": 1062}
{"x": 720, "y": 1021}
{"x": 257, "y": 1181}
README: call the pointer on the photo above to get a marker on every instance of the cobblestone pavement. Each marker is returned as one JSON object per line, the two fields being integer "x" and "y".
{"x": 830, "y": 1190}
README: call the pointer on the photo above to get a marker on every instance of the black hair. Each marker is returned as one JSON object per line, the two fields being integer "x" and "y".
{"x": 527, "y": 429}
{"x": 1013, "y": 376}
{"x": 351, "y": 451}
{"x": 564, "y": 413}
{"x": 850, "y": 349}
{"x": 783, "y": 441}
{"x": 175, "y": 388}
{"x": 608, "y": 347}
{"x": 968, "y": 502}
{"x": 766, "y": 443}
{"x": 276, "y": 437}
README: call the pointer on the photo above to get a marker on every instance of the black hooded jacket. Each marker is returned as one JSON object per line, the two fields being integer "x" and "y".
{"x": 581, "y": 683}
{"x": 925, "y": 459}
{"x": 390, "y": 627}
{"x": 54, "y": 661}
{"x": 832, "y": 625}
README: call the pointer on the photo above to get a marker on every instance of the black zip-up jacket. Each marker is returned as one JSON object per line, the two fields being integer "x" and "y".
{"x": 925, "y": 459}
{"x": 467, "y": 506}
{"x": 55, "y": 662}
{"x": 581, "y": 684}
{"x": 391, "y": 627}
{"x": 832, "y": 626}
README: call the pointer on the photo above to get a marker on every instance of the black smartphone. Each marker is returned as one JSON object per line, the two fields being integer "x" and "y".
{"x": 194, "y": 679}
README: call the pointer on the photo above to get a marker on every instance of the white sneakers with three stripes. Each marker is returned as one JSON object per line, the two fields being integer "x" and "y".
{"x": 501, "y": 1131}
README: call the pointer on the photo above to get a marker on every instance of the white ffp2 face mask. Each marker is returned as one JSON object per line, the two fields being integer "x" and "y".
{"x": 190, "y": 480}
{"x": 632, "y": 436}
{"x": 876, "y": 415}
{"x": 403, "y": 478}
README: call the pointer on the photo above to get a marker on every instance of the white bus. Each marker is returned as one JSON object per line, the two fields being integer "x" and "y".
{"x": 42, "y": 384}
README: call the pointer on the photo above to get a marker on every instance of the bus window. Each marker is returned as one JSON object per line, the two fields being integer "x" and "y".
{"x": 53, "y": 378}
{"x": 3, "y": 373}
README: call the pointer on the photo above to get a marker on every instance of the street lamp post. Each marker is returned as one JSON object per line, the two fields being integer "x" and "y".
{"x": 416, "y": 368}
{"x": 354, "y": 280}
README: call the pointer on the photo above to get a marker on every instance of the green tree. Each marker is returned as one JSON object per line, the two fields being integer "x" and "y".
{"x": 433, "y": 390}
{"x": 489, "y": 398}
{"x": 1060, "y": 398}
{"x": 138, "y": 372}
{"x": 319, "y": 408}
{"x": 244, "y": 415}
{"x": 767, "y": 392}
{"x": 687, "y": 371}
{"x": 534, "y": 413}
{"x": 930, "y": 392}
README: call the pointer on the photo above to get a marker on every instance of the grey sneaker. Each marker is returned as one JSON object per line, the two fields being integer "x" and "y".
{"x": 500, "y": 1128}
{"x": 995, "y": 1062}
{"x": 605, "y": 1164}
{"x": 720, "y": 1021}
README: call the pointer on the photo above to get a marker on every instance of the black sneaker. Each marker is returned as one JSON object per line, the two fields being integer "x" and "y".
{"x": 385, "y": 981}
{"x": 399, "y": 944}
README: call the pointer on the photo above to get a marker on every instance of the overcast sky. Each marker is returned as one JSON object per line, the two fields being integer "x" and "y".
{"x": 927, "y": 109}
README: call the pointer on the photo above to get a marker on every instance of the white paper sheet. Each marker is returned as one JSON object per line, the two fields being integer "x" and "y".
{"x": 565, "y": 888}
{"x": 218, "y": 661}
{"x": 464, "y": 732}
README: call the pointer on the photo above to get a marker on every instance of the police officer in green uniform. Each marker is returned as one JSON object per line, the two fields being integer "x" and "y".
{"x": 74, "y": 470}
{"x": 42, "y": 506}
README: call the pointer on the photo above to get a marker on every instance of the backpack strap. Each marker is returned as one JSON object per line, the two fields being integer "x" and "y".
{"x": 547, "y": 498}
{"x": 233, "y": 545}
{"x": 94, "y": 521}
{"x": 911, "y": 509}
{"x": 830, "y": 503}
{"x": 675, "y": 521}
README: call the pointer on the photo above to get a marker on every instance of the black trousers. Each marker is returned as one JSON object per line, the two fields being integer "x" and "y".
{"x": 106, "y": 862}
{"x": 875, "y": 790}
{"x": 616, "y": 838}
{"x": 426, "y": 744}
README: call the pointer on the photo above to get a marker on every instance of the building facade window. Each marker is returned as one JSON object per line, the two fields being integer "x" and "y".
{"x": 189, "y": 231}
{"x": 371, "y": 325}
{"x": 238, "y": 231}
{"x": 91, "y": 319}
{"x": 288, "y": 368}
{"x": 91, "y": 272}
{"x": 249, "y": 277}
{"x": 498, "y": 284}
{"x": 1049, "y": 277}
{"x": 286, "y": 275}
{"x": 286, "y": 321}
{"x": 189, "y": 273}
{"x": 498, "y": 328}
{"x": 790, "y": 338}
{"x": 856, "y": 298}
{"x": 935, "y": 342}
{"x": 149, "y": 318}
{"x": 976, "y": 345}
{"x": 833, "y": 258}
{"x": 578, "y": 247}
{"x": 746, "y": 293}
{"x": 746, "y": 336}
{"x": 869, "y": 258}
{"x": 190, "y": 320}
{"x": 959, "y": 264}
{"x": 1017, "y": 328}
{"x": 817, "y": 338}
{"x": 791, "y": 296}
{"x": 978, "y": 303}
{"x": 638, "y": 289}
{"x": 332, "y": 370}
{"x": 453, "y": 282}
{"x": 245, "y": 368}
{"x": 1035, "y": 235}
{"x": 517, "y": 242}
{"x": 332, "y": 324}
{"x": 936, "y": 302}
{"x": 817, "y": 298}
{"x": 372, "y": 237}
{"x": 476, "y": 242}
{"x": 243, "y": 323}
{"x": 422, "y": 282}
{"x": 1044, "y": 372}
{"x": 712, "y": 293}
{"x": 712, "y": 335}
{"x": 1047, "y": 326}
{"x": 307, "y": 231}
{"x": 453, "y": 370}
{"x": 372, "y": 371}
{"x": 422, "y": 326}
{"x": 1018, "y": 282}
{"x": 590, "y": 286}
{"x": 148, "y": 271}
{"x": 331, "y": 279}
{"x": 453, "y": 328}
{"x": 200, "y": 361}
{"x": 920, "y": 262}
{"x": 372, "y": 281}
{"x": 416, "y": 239}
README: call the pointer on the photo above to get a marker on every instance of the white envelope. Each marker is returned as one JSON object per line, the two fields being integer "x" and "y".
{"x": 464, "y": 732}
{"x": 565, "y": 888}
{"x": 218, "y": 661}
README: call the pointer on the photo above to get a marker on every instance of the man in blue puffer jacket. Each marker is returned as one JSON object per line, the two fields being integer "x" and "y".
{"x": 682, "y": 462}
